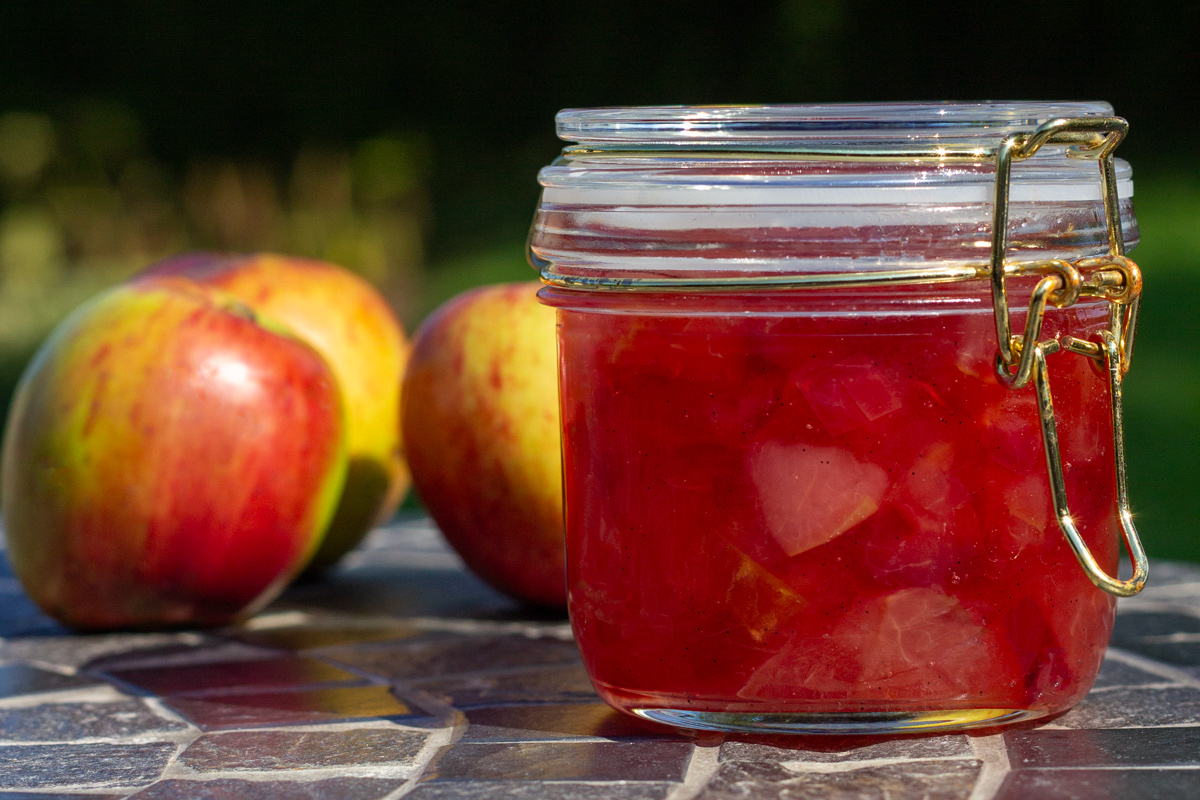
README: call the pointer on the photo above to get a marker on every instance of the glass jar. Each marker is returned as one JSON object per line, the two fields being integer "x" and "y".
{"x": 815, "y": 479}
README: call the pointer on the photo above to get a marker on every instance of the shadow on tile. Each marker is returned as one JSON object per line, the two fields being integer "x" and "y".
{"x": 314, "y": 637}
{"x": 441, "y": 655}
{"x": 552, "y": 722}
{"x": 399, "y": 592}
{"x": 283, "y": 672}
{"x": 565, "y": 684}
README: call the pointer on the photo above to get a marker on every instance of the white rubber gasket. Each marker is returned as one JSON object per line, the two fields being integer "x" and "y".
{"x": 717, "y": 195}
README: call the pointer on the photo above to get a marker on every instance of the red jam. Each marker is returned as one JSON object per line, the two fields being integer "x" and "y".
{"x": 781, "y": 504}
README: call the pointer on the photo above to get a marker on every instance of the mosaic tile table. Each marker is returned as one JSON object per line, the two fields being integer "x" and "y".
{"x": 403, "y": 676}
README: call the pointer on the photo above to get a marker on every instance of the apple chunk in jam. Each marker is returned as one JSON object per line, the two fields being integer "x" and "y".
{"x": 808, "y": 510}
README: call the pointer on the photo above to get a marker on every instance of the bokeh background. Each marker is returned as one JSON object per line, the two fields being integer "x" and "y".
{"x": 403, "y": 139}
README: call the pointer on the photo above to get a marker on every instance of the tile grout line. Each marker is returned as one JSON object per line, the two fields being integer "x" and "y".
{"x": 992, "y": 751}
{"x": 832, "y": 767}
{"x": 701, "y": 768}
{"x": 436, "y": 745}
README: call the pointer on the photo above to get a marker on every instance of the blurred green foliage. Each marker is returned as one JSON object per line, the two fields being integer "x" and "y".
{"x": 1162, "y": 390}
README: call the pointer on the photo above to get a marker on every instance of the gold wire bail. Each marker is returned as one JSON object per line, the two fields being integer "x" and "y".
{"x": 1114, "y": 277}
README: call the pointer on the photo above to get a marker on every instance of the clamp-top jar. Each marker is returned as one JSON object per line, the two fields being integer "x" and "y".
{"x": 813, "y": 481}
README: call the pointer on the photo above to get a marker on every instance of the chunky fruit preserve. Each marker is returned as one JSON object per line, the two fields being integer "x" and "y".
{"x": 806, "y": 488}
{"x": 803, "y": 510}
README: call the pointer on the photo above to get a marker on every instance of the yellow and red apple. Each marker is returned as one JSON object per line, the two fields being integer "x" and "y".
{"x": 481, "y": 433}
{"x": 170, "y": 459}
{"x": 349, "y": 323}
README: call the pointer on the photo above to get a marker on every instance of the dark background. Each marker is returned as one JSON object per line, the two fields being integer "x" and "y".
{"x": 403, "y": 140}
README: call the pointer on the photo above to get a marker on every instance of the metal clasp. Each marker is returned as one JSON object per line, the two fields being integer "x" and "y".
{"x": 1112, "y": 276}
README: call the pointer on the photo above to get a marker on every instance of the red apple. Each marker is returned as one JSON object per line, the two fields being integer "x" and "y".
{"x": 354, "y": 328}
{"x": 481, "y": 431}
{"x": 169, "y": 460}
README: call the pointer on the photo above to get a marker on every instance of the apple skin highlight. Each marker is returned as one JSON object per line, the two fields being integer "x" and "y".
{"x": 169, "y": 460}
{"x": 348, "y": 322}
{"x": 482, "y": 436}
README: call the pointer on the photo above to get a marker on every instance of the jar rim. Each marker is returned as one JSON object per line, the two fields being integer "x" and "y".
{"x": 850, "y": 124}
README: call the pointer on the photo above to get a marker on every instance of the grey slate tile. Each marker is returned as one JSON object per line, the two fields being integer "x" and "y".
{"x": 1118, "y": 673}
{"x": 76, "y": 765}
{"x": 565, "y": 761}
{"x": 1134, "y": 625}
{"x": 236, "y": 710}
{"x": 65, "y": 722}
{"x": 1134, "y": 707}
{"x": 440, "y": 655}
{"x": 550, "y": 722}
{"x": 1101, "y": 784}
{"x": 927, "y": 780}
{"x": 565, "y": 684}
{"x": 76, "y": 651}
{"x": 21, "y": 679}
{"x": 820, "y": 750}
{"x": 1127, "y": 747}
{"x": 285, "y": 672}
{"x": 234, "y": 789}
{"x": 1171, "y": 637}
{"x": 481, "y": 790}
{"x": 287, "y": 750}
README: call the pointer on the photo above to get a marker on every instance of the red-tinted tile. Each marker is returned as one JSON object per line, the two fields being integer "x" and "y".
{"x": 224, "y": 711}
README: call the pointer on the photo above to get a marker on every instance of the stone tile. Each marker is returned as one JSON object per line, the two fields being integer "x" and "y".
{"x": 568, "y": 684}
{"x": 1108, "y": 784}
{"x": 565, "y": 761}
{"x": 65, "y": 722}
{"x": 221, "y": 712}
{"x": 274, "y": 673}
{"x": 57, "y": 796}
{"x": 936, "y": 780}
{"x": 234, "y": 789}
{"x": 310, "y": 637}
{"x": 1135, "y": 625}
{"x": 1128, "y": 747}
{"x": 78, "y": 765}
{"x": 1133, "y": 707}
{"x": 1165, "y": 636}
{"x": 440, "y": 655}
{"x": 76, "y": 651}
{"x": 21, "y": 679}
{"x": 278, "y": 750}
{"x": 1118, "y": 673}
{"x": 841, "y": 749}
{"x": 182, "y": 654}
{"x": 486, "y": 790}
{"x": 551, "y": 722}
